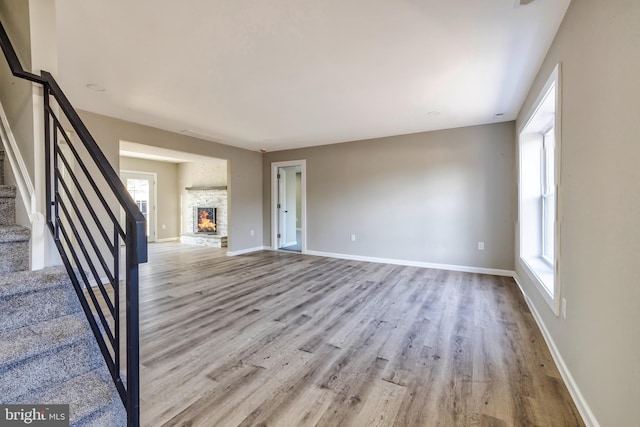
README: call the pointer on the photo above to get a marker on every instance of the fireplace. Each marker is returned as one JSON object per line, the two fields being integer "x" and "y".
{"x": 204, "y": 220}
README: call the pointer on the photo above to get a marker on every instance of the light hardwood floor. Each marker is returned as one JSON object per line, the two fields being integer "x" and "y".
{"x": 283, "y": 339}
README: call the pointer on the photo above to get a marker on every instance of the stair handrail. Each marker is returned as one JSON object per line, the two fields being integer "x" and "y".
{"x": 133, "y": 237}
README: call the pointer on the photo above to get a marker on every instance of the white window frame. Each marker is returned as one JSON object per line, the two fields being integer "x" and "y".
{"x": 541, "y": 267}
{"x": 548, "y": 192}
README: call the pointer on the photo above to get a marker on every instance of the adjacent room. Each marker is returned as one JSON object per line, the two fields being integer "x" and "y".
{"x": 184, "y": 196}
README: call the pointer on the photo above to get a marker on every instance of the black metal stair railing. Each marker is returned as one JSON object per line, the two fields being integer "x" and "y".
{"x": 98, "y": 230}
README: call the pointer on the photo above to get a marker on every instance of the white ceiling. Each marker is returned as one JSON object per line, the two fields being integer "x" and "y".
{"x": 282, "y": 74}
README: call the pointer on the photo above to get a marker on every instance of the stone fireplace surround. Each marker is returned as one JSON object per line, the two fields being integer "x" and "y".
{"x": 215, "y": 196}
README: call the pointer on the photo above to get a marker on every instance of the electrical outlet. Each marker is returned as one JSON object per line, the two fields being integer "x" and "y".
{"x": 252, "y": 232}
{"x": 481, "y": 246}
{"x": 563, "y": 308}
{"x": 353, "y": 237}
{"x": 164, "y": 226}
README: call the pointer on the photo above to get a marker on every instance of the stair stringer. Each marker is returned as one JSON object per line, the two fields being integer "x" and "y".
{"x": 42, "y": 248}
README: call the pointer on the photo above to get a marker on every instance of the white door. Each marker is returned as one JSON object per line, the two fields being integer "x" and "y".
{"x": 282, "y": 207}
{"x": 288, "y": 197}
{"x": 141, "y": 186}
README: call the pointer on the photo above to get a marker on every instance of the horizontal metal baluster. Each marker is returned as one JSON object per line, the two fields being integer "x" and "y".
{"x": 83, "y": 300}
{"x": 87, "y": 174}
{"x": 84, "y": 198}
{"x": 87, "y": 258}
{"x": 87, "y": 286}
{"x": 85, "y": 227}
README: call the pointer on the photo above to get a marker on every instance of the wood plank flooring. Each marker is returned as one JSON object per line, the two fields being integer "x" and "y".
{"x": 283, "y": 339}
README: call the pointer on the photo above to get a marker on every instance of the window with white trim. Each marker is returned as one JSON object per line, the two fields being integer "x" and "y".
{"x": 548, "y": 196}
{"x": 538, "y": 146}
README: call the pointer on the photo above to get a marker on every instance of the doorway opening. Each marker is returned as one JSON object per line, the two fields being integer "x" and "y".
{"x": 142, "y": 188}
{"x": 289, "y": 217}
{"x": 187, "y": 182}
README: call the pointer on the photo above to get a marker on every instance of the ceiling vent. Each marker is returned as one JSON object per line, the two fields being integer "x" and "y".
{"x": 518, "y": 3}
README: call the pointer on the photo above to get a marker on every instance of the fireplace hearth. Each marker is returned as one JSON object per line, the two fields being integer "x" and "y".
{"x": 204, "y": 220}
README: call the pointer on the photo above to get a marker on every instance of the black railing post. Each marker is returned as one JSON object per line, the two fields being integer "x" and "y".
{"x": 134, "y": 229}
{"x": 116, "y": 297}
{"x": 47, "y": 156}
{"x": 53, "y": 181}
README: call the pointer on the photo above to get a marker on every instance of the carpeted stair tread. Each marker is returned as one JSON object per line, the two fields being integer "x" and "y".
{"x": 14, "y": 233}
{"x": 110, "y": 416}
{"x": 23, "y": 282}
{"x": 7, "y": 191}
{"x": 43, "y": 337}
{"x": 45, "y": 354}
{"x": 35, "y": 296}
{"x": 87, "y": 395}
{"x": 7, "y": 205}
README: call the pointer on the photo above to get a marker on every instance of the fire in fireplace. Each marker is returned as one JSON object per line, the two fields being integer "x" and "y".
{"x": 204, "y": 220}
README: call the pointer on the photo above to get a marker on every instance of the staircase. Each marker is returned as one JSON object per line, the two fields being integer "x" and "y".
{"x": 48, "y": 354}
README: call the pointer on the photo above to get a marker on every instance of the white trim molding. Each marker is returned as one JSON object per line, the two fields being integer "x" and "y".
{"x": 583, "y": 407}
{"x": 248, "y": 250}
{"x": 274, "y": 201}
{"x": 168, "y": 239}
{"x": 27, "y": 193}
{"x": 94, "y": 284}
{"x": 18, "y": 166}
{"x": 450, "y": 267}
{"x": 544, "y": 114}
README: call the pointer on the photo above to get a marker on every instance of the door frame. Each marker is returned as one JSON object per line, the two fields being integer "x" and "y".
{"x": 282, "y": 228}
{"x": 153, "y": 210}
{"x": 303, "y": 202}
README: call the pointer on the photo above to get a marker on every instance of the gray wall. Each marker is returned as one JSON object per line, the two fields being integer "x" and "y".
{"x": 16, "y": 94}
{"x": 244, "y": 169}
{"x": 168, "y": 195}
{"x": 598, "y": 45}
{"x": 427, "y": 197}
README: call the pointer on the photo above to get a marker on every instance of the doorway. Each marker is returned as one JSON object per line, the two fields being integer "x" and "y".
{"x": 288, "y": 194}
{"x": 142, "y": 188}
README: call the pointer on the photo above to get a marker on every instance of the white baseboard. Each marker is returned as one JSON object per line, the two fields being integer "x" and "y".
{"x": 466, "y": 269}
{"x": 248, "y": 250}
{"x": 94, "y": 284}
{"x": 168, "y": 239}
{"x": 585, "y": 411}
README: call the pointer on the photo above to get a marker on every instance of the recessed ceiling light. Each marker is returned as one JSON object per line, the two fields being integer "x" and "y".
{"x": 95, "y": 87}
{"x": 518, "y": 3}
{"x": 433, "y": 113}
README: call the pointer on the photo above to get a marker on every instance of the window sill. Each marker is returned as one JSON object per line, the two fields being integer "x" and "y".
{"x": 542, "y": 275}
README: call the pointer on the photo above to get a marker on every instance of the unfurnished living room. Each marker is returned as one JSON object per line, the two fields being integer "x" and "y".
{"x": 320, "y": 213}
